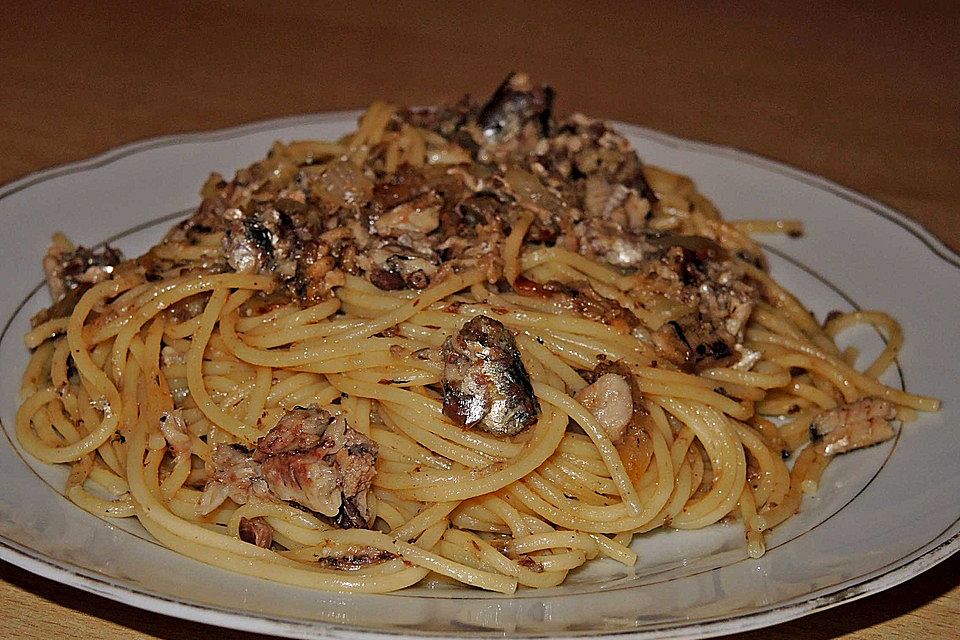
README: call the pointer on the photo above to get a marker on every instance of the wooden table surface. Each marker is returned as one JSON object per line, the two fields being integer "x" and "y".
{"x": 868, "y": 96}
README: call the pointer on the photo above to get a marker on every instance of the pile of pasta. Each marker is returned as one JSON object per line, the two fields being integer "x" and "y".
{"x": 450, "y": 503}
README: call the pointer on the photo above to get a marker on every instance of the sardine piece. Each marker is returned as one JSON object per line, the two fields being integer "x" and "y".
{"x": 603, "y": 240}
{"x": 305, "y": 478}
{"x": 248, "y": 246}
{"x": 484, "y": 381}
{"x": 859, "y": 424}
{"x": 316, "y": 460}
{"x": 395, "y": 266}
{"x": 301, "y": 429}
{"x": 515, "y": 103}
{"x": 67, "y": 270}
{"x": 311, "y": 459}
{"x": 234, "y": 475}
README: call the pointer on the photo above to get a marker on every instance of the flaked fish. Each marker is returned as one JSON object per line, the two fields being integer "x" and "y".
{"x": 311, "y": 459}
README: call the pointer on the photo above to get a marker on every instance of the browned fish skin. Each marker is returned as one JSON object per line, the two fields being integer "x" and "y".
{"x": 515, "y": 103}
{"x": 256, "y": 531}
{"x": 355, "y": 558}
{"x": 484, "y": 381}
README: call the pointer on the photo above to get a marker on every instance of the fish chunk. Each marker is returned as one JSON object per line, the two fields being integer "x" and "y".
{"x": 256, "y": 531}
{"x": 610, "y": 400}
{"x": 853, "y": 426}
{"x": 175, "y": 432}
{"x": 485, "y": 384}
{"x": 516, "y": 103}
{"x": 311, "y": 458}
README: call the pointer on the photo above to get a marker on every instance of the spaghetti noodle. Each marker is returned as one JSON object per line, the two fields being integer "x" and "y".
{"x": 470, "y": 343}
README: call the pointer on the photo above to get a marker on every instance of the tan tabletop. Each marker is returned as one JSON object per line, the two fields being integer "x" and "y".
{"x": 869, "y": 97}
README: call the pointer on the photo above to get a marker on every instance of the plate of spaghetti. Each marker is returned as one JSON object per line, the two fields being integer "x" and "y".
{"x": 471, "y": 369}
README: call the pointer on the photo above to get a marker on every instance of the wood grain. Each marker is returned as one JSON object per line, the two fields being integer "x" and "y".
{"x": 867, "y": 94}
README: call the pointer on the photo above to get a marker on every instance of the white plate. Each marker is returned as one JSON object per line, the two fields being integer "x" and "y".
{"x": 883, "y": 514}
